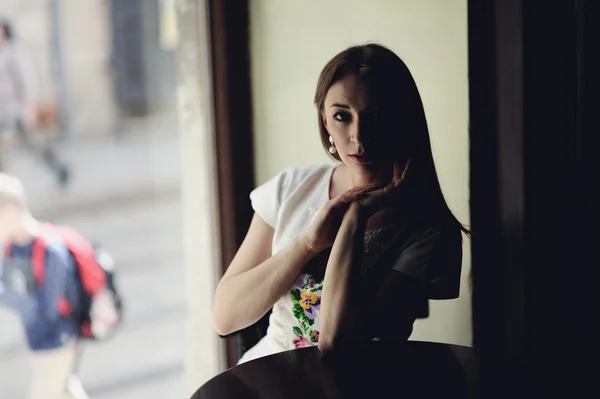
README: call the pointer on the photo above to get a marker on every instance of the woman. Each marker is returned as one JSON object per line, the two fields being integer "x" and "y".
{"x": 349, "y": 253}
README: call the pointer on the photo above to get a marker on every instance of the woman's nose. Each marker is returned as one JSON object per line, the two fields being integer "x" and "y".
{"x": 361, "y": 134}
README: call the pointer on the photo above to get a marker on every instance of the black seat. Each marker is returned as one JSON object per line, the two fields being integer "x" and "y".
{"x": 249, "y": 336}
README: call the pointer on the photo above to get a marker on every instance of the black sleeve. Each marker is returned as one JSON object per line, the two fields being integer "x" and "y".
{"x": 434, "y": 256}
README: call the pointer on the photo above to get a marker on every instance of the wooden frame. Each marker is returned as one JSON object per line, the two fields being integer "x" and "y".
{"x": 233, "y": 128}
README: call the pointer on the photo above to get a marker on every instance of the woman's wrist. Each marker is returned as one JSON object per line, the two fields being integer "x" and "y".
{"x": 305, "y": 245}
{"x": 356, "y": 216}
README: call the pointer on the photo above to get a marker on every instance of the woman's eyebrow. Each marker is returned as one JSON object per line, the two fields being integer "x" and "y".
{"x": 345, "y": 106}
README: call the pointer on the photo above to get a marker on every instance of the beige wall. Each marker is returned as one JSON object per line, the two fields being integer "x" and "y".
{"x": 292, "y": 40}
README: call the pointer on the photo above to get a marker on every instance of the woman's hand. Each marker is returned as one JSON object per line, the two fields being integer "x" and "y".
{"x": 381, "y": 196}
{"x": 321, "y": 233}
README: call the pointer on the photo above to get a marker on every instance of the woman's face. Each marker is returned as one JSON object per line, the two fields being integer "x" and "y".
{"x": 353, "y": 117}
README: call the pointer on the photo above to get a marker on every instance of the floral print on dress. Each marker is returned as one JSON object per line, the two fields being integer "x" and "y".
{"x": 306, "y": 302}
{"x": 310, "y": 302}
{"x": 301, "y": 342}
{"x": 307, "y": 289}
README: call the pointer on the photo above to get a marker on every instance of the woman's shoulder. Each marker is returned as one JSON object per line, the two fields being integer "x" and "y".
{"x": 304, "y": 171}
{"x": 431, "y": 251}
{"x": 424, "y": 231}
{"x": 302, "y": 179}
{"x": 442, "y": 228}
{"x": 298, "y": 174}
{"x": 291, "y": 182}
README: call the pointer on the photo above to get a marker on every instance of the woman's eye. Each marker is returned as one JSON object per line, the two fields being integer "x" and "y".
{"x": 342, "y": 117}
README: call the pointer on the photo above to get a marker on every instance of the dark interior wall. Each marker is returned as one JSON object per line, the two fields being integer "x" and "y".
{"x": 531, "y": 94}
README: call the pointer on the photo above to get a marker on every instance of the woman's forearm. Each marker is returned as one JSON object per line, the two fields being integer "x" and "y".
{"x": 342, "y": 280}
{"x": 243, "y": 299}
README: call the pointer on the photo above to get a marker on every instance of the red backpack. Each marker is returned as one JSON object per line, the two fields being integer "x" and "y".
{"x": 98, "y": 312}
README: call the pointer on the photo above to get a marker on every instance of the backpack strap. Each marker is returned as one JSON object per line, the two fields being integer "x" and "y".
{"x": 91, "y": 274}
{"x": 38, "y": 257}
{"x": 38, "y": 262}
{"x": 38, "y": 253}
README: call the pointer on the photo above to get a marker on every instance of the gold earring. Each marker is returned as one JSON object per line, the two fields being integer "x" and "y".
{"x": 332, "y": 149}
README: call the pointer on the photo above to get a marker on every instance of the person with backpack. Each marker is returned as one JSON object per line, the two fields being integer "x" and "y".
{"x": 52, "y": 277}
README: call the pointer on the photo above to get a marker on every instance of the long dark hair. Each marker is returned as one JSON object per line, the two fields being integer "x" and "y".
{"x": 389, "y": 76}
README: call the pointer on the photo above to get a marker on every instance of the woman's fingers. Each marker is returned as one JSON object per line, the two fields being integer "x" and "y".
{"x": 405, "y": 170}
{"x": 400, "y": 173}
{"x": 345, "y": 199}
{"x": 340, "y": 200}
{"x": 354, "y": 194}
{"x": 376, "y": 186}
{"x": 377, "y": 194}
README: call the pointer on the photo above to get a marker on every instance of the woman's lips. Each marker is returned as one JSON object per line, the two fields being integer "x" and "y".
{"x": 360, "y": 159}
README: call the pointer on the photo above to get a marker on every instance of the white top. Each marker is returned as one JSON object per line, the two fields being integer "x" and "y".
{"x": 289, "y": 202}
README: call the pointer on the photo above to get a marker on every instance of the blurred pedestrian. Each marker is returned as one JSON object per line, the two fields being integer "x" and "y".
{"x": 45, "y": 298}
{"x": 19, "y": 111}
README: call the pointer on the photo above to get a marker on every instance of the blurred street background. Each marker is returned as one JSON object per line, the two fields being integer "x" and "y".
{"x": 114, "y": 89}
{"x": 118, "y": 198}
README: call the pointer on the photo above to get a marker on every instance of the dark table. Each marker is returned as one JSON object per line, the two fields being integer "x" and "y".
{"x": 377, "y": 370}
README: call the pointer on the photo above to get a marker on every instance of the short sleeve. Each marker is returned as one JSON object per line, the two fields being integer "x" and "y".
{"x": 434, "y": 256}
{"x": 266, "y": 199}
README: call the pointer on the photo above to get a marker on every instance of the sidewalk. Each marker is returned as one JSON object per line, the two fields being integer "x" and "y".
{"x": 142, "y": 162}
